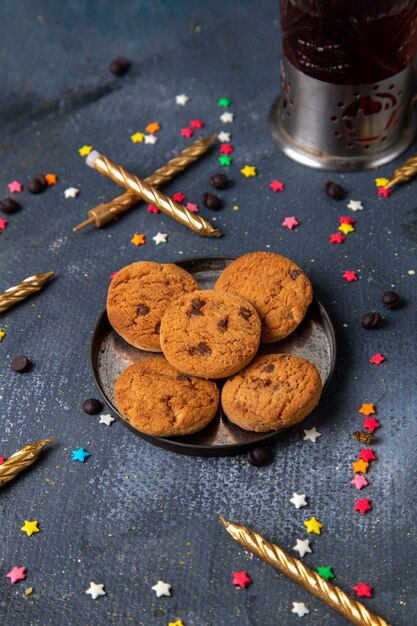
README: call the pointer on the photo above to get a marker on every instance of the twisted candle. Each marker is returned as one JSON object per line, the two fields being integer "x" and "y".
{"x": 153, "y": 196}
{"x": 23, "y": 290}
{"x": 403, "y": 173}
{"x": 354, "y": 611}
{"x": 21, "y": 459}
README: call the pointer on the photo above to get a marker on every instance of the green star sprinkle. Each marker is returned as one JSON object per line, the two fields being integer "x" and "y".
{"x": 326, "y": 572}
{"x": 224, "y": 102}
{"x": 224, "y": 159}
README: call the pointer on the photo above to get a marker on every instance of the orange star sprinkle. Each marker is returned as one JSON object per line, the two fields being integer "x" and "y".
{"x": 360, "y": 466}
{"x": 367, "y": 409}
{"x": 153, "y": 128}
{"x": 138, "y": 240}
{"x": 51, "y": 179}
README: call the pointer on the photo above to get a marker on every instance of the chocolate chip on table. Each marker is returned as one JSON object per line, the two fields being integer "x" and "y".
{"x": 143, "y": 310}
{"x": 334, "y": 190}
{"x": 92, "y": 406}
{"x": 119, "y": 66}
{"x": 245, "y": 313}
{"x": 201, "y": 350}
{"x": 371, "y": 320}
{"x": 211, "y": 201}
{"x": 219, "y": 181}
{"x": 8, "y": 205}
{"x": 19, "y": 363}
{"x": 391, "y": 299}
{"x": 259, "y": 456}
{"x": 37, "y": 184}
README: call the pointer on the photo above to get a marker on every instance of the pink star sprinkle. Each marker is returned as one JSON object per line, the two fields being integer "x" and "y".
{"x": 187, "y": 132}
{"x": 152, "y": 209}
{"x": 290, "y": 222}
{"x": 197, "y": 124}
{"x": 337, "y": 238}
{"x": 15, "y": 186}
{"x": 3, "y": 224}
{"x": 377, "y": 359}
{"x": 371, "y": 424}
{"x": 178, "y": 197}
{"x": 276, "y": 185}
{"x": 350, "y": 276}
{"x": 359, "y": 481}
{"x": 192, "y": 207}
{"x": 363, "y": 506}
{"x": 367, "y": 455}
{"x": 241, "y": 579}
{"x": 112, "y": 275}
{"x": 363, "y": 590}
{"x": 384, "y": 192}
{"x": 16, "y": 574}
{"x": 345, "y": 219}
{"x": 226, "y": 148}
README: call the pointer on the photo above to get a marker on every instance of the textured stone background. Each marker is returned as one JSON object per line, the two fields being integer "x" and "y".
{"x": 134, "y": 513}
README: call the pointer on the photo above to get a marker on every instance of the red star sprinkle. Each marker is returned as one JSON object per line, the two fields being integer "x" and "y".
{"x": 363, "y": 506}
{"x": 350, "y": 276}
{"x": 3, "y": 224}
{"x": 377, "y": 359}
{"x": 113, "y": 275}
{"x": 384, "y": 192}
{"x": 359, "y": 481}
{"x": 226, "y": 148}
{"x": 152, "y": 209}
{"x": 363, "y": 590}
{"x": 367, "y": 455}
{"x": 16, "y": 574}
{"x": 192, "y": 207}
{"x": 371, "y": 424}
{"x": 187, "y": 132}
{"x": 178, "y": 197}
{"x": 337, "y": 238}
{"x": 2, "y": 459}
{"x": 345, "y": 219}
{"x": 290, "y": 222}
{"x": 241, "y": 579}
{"x": 276, "y": 185}
{"x": 197, "y": 124}
{"x": 15, "y": 186}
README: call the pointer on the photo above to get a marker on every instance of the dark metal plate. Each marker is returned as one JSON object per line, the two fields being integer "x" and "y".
{"x": 313, "y": 340}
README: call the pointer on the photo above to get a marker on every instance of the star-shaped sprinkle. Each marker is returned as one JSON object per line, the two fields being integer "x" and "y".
{"x": 51, "y": 179}
{"x": 313, "y": 526}
{"x": 162, "y": 589}
{"x": 345, "y": 219}
{"x": 153, "y": 128}
{"x": 227, "y": 117}
{"x": 337, "y": 238}
{"x": 224, "y": 102}
{"x": 359, "y": 481}
{"x": 367, "y": 455}
{"x": 298, "y": 500}
{"x": 225, "y": 160}
{"x": 360, "y": 466}
{"x": 187, "y": 132}
{"x": 276, "y": 185}
{"x": 226, "y": 148}
{"x": 138, "y": 240}
{"x": 96, "y": 590}
{"x": 355, "y": 205}
{"x": 363, "y": 506}
{"x": 2, "y": 334}
{"x": 151, "y": 139}
{"x": 85, "y": 150}
{"x": 302, "y": 547}
{"x": 371, "y": 424}
{"x": 385, "y": 193}
{"x": 290, "y": 222}
{"x": 197, "y": 124}
{"x": 177, "y": 623}
{"x": 28, "y": 591}
{"x": 325, "y": 572}
{"x": 181, "y": 99}
{"x": 15, "y": 186}
{"x": 363, "y": 590}
{"x": 248, "y": 171}
{"x": 79, "y": 455}
{"x": 106, "y": 419}
{"x": 137, "y": 137}
{"x": 350, "y": 277}
{"x": 311, "y": 434}
{"x": 71, "y": 192}
{"x": 3, "y": 224}
{"x": 346, "y": 228}
{"x": 224, "y": 137}
{"x": 241, "y": 579}
{"x": 152, "y": 209}
{"x": 300, "y": 609}
{"x": 192, "y": 207}
{"x": 377, "y": 359}
{"x": 178, "y": 197}
{"x": 16, "y": 574}
{"x": 381, "y": 182}
{"x": 30, "y": 527}
{"x": 160, "y": 238}
{"x": 367, "y": 408}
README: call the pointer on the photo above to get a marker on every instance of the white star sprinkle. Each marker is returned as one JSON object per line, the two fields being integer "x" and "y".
{"x": 311, "y": 434}
{"x": 299, "y": 500}
{"x": 160, "y": 238}
{"x": 151, "y": 139}
{"x": 106, "y": 419}
{"x": 162, "y": 589}
{"x": 224, "y": 137}
{"x": 182, "y": 99}
{"x": 302, "y": 547}
{"x": 227, "y": 117}
{"x": 300, "y": 609}
{"x": 96, "y": 590}
{"x": 71, "y": 192}
{"x": 355, "y": 205}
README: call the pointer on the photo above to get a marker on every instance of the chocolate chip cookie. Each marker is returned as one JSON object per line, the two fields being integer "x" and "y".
{"x": 211, "y": 334}
{"x": 158, "y": 400}
{"x": 138, "y": 297}
{"x": 277, "y": 288}
{"x": 273, "y": 392}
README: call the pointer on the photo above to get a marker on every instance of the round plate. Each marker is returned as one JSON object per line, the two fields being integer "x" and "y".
{"x": 313, "y": 339}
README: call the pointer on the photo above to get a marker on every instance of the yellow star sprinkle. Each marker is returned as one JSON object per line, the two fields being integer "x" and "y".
{"x": 137, "y": 137}
{"x": 381, "y": 182}
{"x": 2, "y": 334}
{"x": 138, "y": 240}
{"x": 248, "y": 170}
{"x": 85, "y": 150}
{"x": 177, "y": 623}
{"x": 346, "y": 228}
{"x": 30, "y": 527}
{"x": 360, "y": 466}
{"x": 313, "y": 526}
{"x": 367, "y": 409}
{"x": 153, "y": 128}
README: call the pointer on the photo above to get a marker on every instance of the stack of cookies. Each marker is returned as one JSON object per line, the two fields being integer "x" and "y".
{"x": 207, "y": 336}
